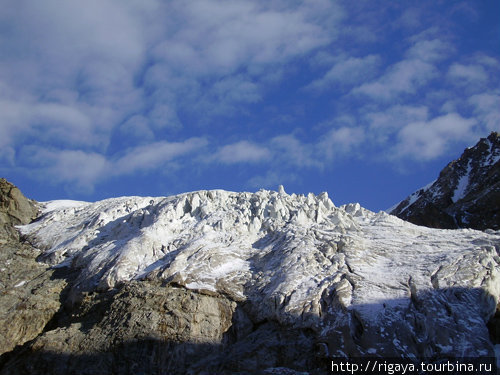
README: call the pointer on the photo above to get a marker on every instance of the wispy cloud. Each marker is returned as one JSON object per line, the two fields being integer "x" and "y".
{"x": 349, "y": 70}
{"x": 290, "y": 150}
{"x": 77, "y": 168}
{"x": 404, "y": 77}
{"x": 155, "y": 155}
{"x": 486, "y": 107}
{"x": 429, "y": 50}
{"x": 340, "y": 141}
{"x": 427, "y": 140}
{"x": 466, "y": 75}
{"x": 242, "y": 152}
{"x": 410, "y": 74}
{"x": 385, "y": 123}
{"x": 84, "y": 169}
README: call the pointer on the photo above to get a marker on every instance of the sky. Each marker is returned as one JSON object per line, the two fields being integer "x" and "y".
{"x": 367, "y": 100}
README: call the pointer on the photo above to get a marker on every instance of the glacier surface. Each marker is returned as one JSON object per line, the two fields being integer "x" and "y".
{"x": 368, "y": 283}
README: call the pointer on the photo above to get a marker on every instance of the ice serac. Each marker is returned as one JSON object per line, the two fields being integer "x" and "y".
{"x": 342, "y": 280}
{"x": 465, "y": 195}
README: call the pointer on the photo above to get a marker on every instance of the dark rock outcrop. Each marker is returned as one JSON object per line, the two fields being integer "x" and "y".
{"x": 146, "y": 327}
{"x": 15, "y": 209}
{"x": 465, "y": 195}
{"x": 29, "y": 296}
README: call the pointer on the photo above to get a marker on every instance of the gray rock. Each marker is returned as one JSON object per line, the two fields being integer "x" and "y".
{"x": 15, "y": 209}
{"x": 29, "y": 295}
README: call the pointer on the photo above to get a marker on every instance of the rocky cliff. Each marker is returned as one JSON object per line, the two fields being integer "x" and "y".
{"x": 28, "y": 296}
{"x": 465, "y": 195}
{"x": 215, "y": 282}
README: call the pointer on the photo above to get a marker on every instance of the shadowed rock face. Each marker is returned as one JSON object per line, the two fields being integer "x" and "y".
{"x": 215, "y": 282}
{"x": 465, "y": 195}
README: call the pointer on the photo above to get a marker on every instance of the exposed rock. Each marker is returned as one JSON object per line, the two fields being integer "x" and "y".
{"x": 146, "y": 327}
{"x": 465, "y": 195}
{"x": 29, "y": 295}
{"x": 141, "y": 327}
{"x": 15, "y": 209}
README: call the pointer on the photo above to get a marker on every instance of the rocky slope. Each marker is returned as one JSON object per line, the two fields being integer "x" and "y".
{"x": 28, "y": 296}
{"x": 465, "y": 195}
{"x": 215, "y": 282}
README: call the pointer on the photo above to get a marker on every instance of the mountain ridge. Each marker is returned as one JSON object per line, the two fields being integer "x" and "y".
{"x": 466, "y": 193}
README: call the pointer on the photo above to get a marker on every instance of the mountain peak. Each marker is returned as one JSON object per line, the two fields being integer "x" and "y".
{"x": 465, "y": 195}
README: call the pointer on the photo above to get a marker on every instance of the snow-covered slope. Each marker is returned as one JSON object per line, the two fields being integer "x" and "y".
{"x": 466, "y": 194}
{"x": 367, "y": 283}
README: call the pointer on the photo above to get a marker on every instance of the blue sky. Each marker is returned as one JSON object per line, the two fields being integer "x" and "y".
{"x": 367, "y": 100}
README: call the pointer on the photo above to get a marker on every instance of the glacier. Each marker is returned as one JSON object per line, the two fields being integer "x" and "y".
{"x": 367, "y": 284}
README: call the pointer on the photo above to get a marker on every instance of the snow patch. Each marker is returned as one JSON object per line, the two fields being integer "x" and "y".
{"x": 19, "y": 284}
{"x": 56, "y": 205}
{"x": 412, "y": 198}
{"x": 462, "y": 185}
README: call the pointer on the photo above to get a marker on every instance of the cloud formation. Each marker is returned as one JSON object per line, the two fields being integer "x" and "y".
{"x": 429, "y": 139}
{"x": 242, "y": 152}
{"x": 97, "y": 90}
{"x": 348, "y": 70}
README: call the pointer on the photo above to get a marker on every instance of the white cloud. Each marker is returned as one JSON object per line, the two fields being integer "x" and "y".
{"x": 220, "y": 54}
{"x": 430, "y": 50}
{"x": 407, "y": 76}
{"x": 236, "y": 89}
{"x": 12, "y": 122}
{"x": 467, "y": 75}
{"x": 155, "y": 155}
{"x": 138, "y": 128}
{"x": 404, "y": 77}
{"x": 68, "y": 67}
{"x": 85, "y": 169}
{"x": 55, "y": 40}
{"x": 487, "y": 61}
{"x": 487, "y": 108}
{"x": 47, "y": 122}
{"x": 349, "y": 70}
{"x": 78, "y": 168}
{"x": 242, "y": 152}
{"x": 426, "y": 140}
{"x": 228, "y": 95}
{"x": 7, "y": 156}
{"x": 290, "y": 150}
{"x": 340, "y": 141}
{"x": 222, "y": 36}
{"x": 384, "y": 124}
